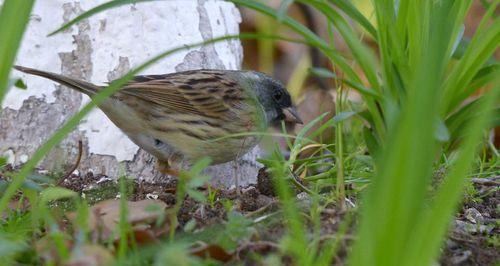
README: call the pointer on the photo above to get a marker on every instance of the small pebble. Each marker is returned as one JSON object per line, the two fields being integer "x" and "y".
{"x": 465, "y": 227}
{"x": 303, "y": 196}
{"x": 461, "y": 258}
{"x": 473, "y": 215}
{"x": 104, "y": 179}
{"x": 151, "y": 196}
{"x": 10, "y": 156}
{"x": 23, "y": 158}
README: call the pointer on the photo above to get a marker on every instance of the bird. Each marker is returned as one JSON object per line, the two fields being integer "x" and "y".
{"x": 184, "y": 116}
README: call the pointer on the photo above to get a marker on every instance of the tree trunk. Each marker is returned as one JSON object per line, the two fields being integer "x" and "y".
{"x": 100, "y": 49}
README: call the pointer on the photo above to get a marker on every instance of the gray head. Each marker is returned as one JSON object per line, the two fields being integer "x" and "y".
{"x": 274, "y": 97}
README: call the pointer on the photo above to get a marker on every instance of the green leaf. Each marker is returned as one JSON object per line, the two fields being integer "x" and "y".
{"x": 176, "y": 254}
{"x": 19, "y": 83}
{"x": 442, "y": 133}
{"x": 481, "y": 47}
{"x": 398, "y": 195}
{"x": 485, "y": 75}
{"x": 190, "y": 226}
{"x": 344, "y": 116}
{"x": 199, "y": 166}
{"x": 11, "y": 247}
{"x": 371, "y": 142}
{"x": 307, "y": 127}
{"x": 322, "y": 72}
{"x": 353, "y": 13}
{"x": 458, "y": 40}
{"x": 16, "y": 82}
{"x": 434, "y": 223}
{"x": 310, "y": 36}
{"x": 41, "y": 179}
{"x": 237, "y": 227}
{"x": 457, "y": 122}
{"x": 364, "y": 56}
{"x": 3, "y": 185}
{"x": 56, "y": 193}
{"x": 14, "y": 16}
{"x": 197, "y": 195}
{"x": 198, "y": 181}
{"x": 459, "y": 51}
{"x": 30, "y": 184}
{"x": 325, "y": 73}
{"x": 283, "y": 9}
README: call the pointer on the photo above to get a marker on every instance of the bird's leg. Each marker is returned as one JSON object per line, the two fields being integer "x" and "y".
{"x": 164, "y": 168}
{"x": 172, "y": 172}
{"x": 237, "y": 169}
{"x": 236, "y": 177}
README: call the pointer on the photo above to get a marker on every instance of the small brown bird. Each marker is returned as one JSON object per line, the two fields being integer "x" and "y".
{"x": 181, "y": 117}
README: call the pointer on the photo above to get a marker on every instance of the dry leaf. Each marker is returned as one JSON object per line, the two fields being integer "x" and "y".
{"x": 211, "y": 251}
{"x": 90, "y": 255}
{"x": 104, "y": 217}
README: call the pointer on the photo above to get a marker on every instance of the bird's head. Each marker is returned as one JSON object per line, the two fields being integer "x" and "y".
{"x": 274, "y": 97}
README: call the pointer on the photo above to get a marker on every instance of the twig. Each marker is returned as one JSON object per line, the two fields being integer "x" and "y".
{"x": 257, "y": 244}
{"x": 300, "y": 186}
{"x": 343, "y": 237}
{"x": 487, "y": 181}
{"x": 261, "y": 209}
{"x": 77, "y": 163}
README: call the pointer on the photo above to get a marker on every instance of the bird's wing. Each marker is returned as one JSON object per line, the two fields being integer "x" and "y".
{"x": 206, "y": 93}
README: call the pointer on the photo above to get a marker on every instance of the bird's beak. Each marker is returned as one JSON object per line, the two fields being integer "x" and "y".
{"x": 291, "y": 115}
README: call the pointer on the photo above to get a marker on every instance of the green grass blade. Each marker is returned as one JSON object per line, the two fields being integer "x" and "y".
{"x": 481, "y": 47}
{"x": 325, "y": 73}
{"x": 124, "y": 229}
{"x": 14, "y": 17}
{"x": 484, "y": 76}
{"x": 295, "y": 241}
{"x": 364, "y": 57}
{"x": 459, "y": 28}
{"x": 397, "y": 195}
{"x": 307, "y": 34}
{"x": 391, "y": 49}
{"x": 354, "y": 13}
{"x": 457, "y": 123}
{"x": 433, "y": 225}
{"x": 323, "y": 46}
{"x": 283, "y": 9}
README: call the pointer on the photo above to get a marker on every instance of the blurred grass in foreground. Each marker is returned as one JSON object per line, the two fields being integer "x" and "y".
{"x": 413, "y": 85}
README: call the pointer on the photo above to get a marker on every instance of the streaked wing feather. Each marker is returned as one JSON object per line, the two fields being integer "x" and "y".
{"x": 204, "y": 93}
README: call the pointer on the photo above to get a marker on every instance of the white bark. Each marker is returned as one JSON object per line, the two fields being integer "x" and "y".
{"x": 100, "y": 49}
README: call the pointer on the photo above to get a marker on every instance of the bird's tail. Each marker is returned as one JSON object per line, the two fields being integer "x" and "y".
{"x": 79, "y": 85}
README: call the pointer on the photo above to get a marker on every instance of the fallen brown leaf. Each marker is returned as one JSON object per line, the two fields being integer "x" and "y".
{"x": 211, "y": 251}
{"x": 104, "y": 217}
{"x": 90, "y": 255}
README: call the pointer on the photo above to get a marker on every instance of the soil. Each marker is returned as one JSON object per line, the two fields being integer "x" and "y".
{"x": 477, "y": 243}
{"x": 472, "y": 240}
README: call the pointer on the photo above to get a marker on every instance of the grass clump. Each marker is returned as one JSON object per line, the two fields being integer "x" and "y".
{"x": 415, "y": 120}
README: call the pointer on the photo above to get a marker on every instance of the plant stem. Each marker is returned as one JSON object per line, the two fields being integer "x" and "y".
{"x": 339, "y": 152}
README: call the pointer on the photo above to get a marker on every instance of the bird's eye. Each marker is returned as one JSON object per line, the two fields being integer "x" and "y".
{"x": 277, "y": 95}
{"x": 158, "y": 143}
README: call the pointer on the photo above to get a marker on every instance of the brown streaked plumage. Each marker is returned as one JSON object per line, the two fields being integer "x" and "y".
{"x": 176, "y": 117}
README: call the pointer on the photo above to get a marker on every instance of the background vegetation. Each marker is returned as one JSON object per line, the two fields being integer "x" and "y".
{"x": 407, "y": 150}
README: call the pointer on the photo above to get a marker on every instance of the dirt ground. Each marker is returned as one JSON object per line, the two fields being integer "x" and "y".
{"x": 472, "y": 240}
